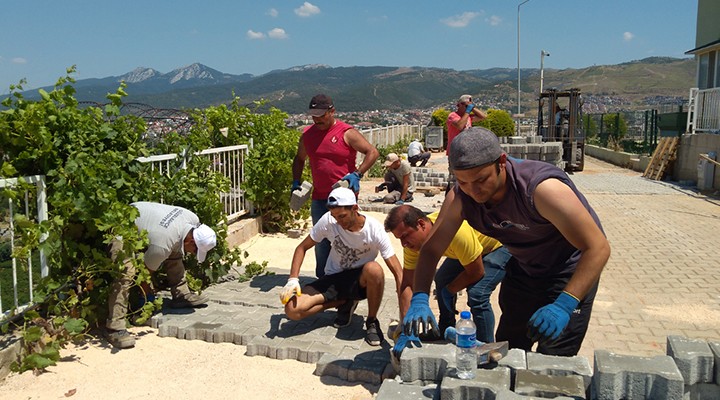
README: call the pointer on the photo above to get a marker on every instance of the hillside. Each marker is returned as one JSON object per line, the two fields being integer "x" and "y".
{"x": 631, "y": 85}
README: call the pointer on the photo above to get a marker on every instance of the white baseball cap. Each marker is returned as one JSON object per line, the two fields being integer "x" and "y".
{"x": 340, "y": 197}
{"x": 205, "y": 240}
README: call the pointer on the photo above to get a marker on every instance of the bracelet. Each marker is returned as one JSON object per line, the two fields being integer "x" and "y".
{"x": 360, "y": 174}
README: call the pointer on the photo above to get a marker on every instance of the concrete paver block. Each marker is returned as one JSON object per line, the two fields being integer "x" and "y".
{"x": 394, "y": 390}
{"x": 427, "y": 363}
{"x": 332, "y": 365}
{"x": 715, "y": 348}
{"x": 515, "y": 360}
{"x": 368, "y": 371}
{"x": 702, "y": 391}
{"x": 510, "y": 395}
{"x": 560, "y": 366}
{"x": 622, "y": 376}
{"x": 261, "y": 346}
{"x": 485, "y": 385}
{"x": 549, "y": 386}
{"x": 299, "y": 197}
{"x": 693, "y": 358}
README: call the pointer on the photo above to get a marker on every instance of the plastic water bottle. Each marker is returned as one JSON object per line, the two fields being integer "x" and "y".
{"x": 465, "y": 354}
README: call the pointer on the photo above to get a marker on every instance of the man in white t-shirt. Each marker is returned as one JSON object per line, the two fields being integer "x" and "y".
{"x": 351, "y": 272}
{"x": 416, "y": 153}
{"x": 399, "y": 180}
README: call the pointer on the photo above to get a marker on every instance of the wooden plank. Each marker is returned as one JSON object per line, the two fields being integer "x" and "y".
{"x": 664, "y": 154}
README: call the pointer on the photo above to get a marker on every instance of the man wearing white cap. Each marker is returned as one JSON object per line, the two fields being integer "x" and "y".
{"x": 399, "y": 180}
{"x": 172, "y": 232}
{"x": 331, "y": 147}
{"x": 351, "y": 272}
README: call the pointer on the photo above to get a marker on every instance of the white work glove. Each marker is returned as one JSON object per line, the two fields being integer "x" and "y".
{"x": 288, "y": 291}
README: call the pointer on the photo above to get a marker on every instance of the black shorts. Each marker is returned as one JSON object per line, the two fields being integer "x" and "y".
{"x": 347, "y": 284}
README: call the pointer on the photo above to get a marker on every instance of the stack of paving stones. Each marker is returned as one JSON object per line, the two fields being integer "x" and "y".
{"x": 250, "y": 314}
{"x": 532, "y": 148}
{"x": 429, "y": 177}
{"x": 690, "y": 370}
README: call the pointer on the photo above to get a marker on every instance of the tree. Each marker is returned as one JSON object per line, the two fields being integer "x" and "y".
{"x": 615, "y": 128}
{"x": 498, "y": 121}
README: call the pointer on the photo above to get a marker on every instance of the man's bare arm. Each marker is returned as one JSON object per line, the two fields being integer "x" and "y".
{"x": 557, "y": 203}
{"x": 299, "y": 161}
{"x": 358, "y": 142}
{"x": 299, "y": 256}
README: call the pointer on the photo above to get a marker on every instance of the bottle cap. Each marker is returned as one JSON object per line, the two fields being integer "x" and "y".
{"x": 465, "y": 315}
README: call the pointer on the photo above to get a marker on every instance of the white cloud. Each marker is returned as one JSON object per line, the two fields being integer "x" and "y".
{"x": 273, "y": 12}
{"x": 460, "y": 21}
{"x": 255, "y": 35}
{"x": 307, "y": 10}
{"x": 277, "y": 33}
{"x": 18, "y": 60}
{"x": 494, "y": 20}
{"x": 628, "y": 36}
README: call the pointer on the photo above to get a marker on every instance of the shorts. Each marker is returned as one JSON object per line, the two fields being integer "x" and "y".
{"x": 347, "y": 284}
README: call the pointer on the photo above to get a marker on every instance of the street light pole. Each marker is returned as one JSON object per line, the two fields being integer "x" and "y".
{"x": 543, "y": 53}
{"x": 518, "y": 64}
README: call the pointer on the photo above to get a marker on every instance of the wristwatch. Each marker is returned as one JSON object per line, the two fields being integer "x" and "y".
{"x": 360, "y": 174}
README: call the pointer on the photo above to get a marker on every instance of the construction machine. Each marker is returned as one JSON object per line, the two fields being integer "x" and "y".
{"x": 560, "y": 120}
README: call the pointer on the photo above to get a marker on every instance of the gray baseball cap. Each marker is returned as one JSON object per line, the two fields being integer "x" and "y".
{"x": 474, "y": 147}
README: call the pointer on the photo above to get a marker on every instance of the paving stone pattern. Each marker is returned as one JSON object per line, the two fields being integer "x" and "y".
{"x": 659, "y": 296}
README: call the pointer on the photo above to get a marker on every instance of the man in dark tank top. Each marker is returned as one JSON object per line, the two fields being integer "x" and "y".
{"x": 558, "y": 246}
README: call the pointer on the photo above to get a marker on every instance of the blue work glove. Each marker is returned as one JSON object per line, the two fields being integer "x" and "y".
{"x": 469, "y": 108}
{"x": 295, "y": 186}
{"x": 448, "y": 299}
{"x": 399, "y": 203}
{"x": 404, "y": 341}
{"x": 419, "y": 318}
{"x": 353, "y": 180}
{"x": 549, "y": 321}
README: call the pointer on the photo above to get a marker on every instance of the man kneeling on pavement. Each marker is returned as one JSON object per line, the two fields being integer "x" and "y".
{"x": 473, "y": 262}
{"x": 351, "y": 272}
{"x": 399, "y": 181}
{"x": 172, "y": 232}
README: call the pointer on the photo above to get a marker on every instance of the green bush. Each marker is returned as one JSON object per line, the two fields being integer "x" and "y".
{"x": 89, "y": 157}
{"x": 498, "y": 121}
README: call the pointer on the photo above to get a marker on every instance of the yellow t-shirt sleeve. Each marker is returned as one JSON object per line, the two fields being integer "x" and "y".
{"x": 410, "y": 258}
{"x": 465, "y": 246}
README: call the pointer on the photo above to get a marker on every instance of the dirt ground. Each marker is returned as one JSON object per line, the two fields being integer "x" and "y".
{"x": 169, "y": 368}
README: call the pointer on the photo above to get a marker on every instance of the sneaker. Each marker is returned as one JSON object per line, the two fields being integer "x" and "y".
{"x": 345, "y": 313}
{"x": 190, "y": 300}
{"x": 121, "y": 339}
{"x": 373, "y": 333}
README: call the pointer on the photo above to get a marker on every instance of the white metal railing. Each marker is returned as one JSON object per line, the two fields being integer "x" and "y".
{"x": 388, "y": 135}
{"x": 229, "y": 161}
{"x": 704, "y": 111}
{"x": 7, "y": 235}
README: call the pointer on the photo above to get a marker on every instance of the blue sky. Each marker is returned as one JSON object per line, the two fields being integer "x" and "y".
{"x": 41, "y": 38}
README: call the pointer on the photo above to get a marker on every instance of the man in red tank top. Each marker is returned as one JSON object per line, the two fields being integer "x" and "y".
{"x": 331, "y": 147}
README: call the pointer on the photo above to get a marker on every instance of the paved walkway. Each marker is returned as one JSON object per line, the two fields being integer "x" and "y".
{"x": 661, "y": 280}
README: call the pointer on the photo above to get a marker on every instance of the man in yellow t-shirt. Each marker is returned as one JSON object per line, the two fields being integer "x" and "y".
{"x": 474, "y": 262}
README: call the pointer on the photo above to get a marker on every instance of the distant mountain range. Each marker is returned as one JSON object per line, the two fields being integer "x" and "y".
{"x": 632, "y": 84}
